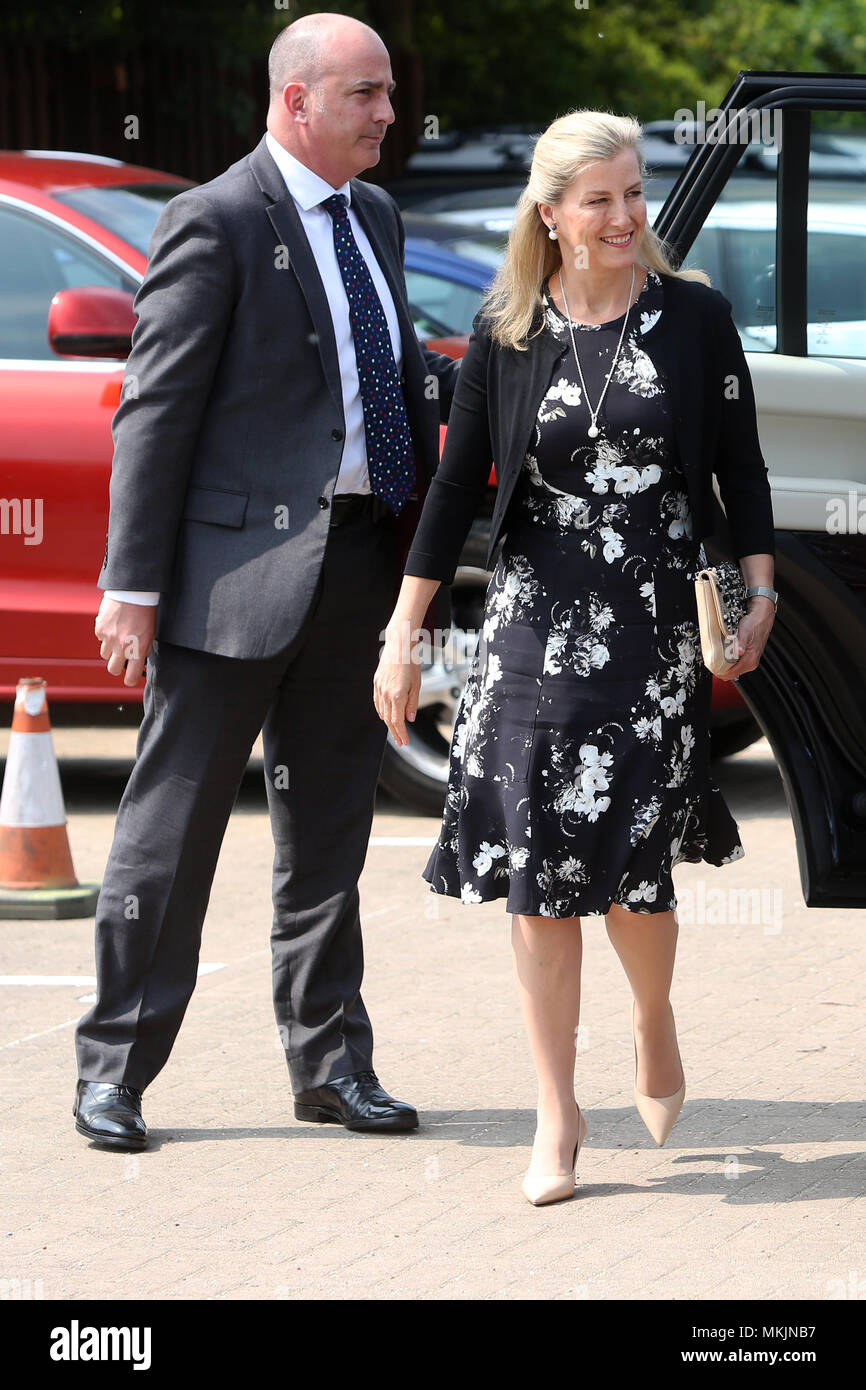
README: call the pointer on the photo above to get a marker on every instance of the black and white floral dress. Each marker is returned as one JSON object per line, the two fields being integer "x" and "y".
{"x": 579, "y": 768}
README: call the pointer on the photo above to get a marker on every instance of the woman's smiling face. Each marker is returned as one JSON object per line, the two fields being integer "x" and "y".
{"x": 600, "y": 220}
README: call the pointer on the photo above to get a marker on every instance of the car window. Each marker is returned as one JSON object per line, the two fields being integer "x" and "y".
{"x": 130, "y": 211}
{"x": 487, "y": 248}
{"x": 836, "y": 237}
{"x": 443, "y": 301}
{"x": 36, "y": 260}
{"x": 737, "y": 246}
{"x": 747, "y": 275}
{"x": 426, "y": 326}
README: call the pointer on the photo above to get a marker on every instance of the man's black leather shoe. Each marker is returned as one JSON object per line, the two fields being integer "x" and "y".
{"x": 110, "y": 1115}
{"x": 356, "y": 1101}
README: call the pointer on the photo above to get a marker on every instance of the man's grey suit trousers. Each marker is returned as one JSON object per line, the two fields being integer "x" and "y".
{"x": 323, "y": 747}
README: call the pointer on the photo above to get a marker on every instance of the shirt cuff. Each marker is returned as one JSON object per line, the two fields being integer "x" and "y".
{"x": 143, "y": 596}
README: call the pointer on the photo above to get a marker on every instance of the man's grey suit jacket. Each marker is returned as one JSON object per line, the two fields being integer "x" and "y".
{"x": 228, "y": 437}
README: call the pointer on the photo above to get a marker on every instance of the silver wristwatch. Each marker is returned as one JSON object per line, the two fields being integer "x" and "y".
{"x": 765, "y": 592}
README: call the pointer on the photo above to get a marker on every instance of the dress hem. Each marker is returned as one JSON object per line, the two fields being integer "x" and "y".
{"x": 478, "y": 899}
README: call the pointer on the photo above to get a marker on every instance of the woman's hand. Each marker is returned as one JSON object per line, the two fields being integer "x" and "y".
{"x": 752, "y": 633}
{"x": 396, "y": 685}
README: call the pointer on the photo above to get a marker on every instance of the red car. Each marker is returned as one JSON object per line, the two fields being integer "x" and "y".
{"x": 73, "y": 233}
{"x": 74, "y": 230}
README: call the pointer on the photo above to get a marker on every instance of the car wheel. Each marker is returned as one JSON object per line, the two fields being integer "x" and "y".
{"x": 418, "y": 773}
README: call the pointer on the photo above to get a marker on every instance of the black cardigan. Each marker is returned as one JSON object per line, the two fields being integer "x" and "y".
{"x": 696, "y": 347}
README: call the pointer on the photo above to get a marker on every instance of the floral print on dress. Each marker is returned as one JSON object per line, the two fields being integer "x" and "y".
{"x": 579, "y": 766}
{"x": 576, "y": 641}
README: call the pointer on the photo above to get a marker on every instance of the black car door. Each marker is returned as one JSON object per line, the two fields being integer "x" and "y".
{"x": 773, "y": 204}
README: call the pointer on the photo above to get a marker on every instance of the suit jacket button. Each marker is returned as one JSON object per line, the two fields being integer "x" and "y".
{"x": 336, "y": 434}
{"x": 323, "y": 502}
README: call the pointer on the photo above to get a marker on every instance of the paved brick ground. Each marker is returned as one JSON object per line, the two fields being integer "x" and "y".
{"x": 757, "y": 1194}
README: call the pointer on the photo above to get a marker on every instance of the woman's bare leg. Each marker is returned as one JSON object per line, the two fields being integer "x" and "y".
{"x": 646, "y": 944}
{"x": 548, "y": 952}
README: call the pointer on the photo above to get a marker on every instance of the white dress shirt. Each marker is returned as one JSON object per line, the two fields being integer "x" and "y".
{"x": 309, "y": 190}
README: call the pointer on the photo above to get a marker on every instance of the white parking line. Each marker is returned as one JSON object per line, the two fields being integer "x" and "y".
{"x": 205, "y": 968}
{"x": 403, "y": 840}
{"x": 87, "y": 980}
{"x": 48, "y": 980}
{"x": 70, "y": 1023}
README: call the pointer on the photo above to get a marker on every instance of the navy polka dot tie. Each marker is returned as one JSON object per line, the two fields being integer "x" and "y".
{"x": 390, "y": 455}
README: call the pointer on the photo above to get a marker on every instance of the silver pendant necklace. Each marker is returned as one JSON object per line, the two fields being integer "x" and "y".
{"x": 593, "y": 428}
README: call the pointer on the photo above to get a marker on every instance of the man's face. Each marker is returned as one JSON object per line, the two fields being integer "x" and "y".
{"x": 351, "y": 111}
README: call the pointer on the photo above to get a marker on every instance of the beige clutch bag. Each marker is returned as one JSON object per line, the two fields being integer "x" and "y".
{"x": 721, "y": 602}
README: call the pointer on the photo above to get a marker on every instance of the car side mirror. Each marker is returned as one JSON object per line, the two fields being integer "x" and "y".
{"x": 91, "y": 322}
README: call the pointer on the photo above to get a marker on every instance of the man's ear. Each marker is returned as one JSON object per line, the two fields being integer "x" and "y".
{"x": 295, "y": 100}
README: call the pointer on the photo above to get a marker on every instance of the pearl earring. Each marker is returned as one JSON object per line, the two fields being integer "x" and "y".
{"x": 552, "y": 232}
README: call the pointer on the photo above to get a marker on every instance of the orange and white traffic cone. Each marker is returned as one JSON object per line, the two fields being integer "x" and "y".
{"x": 36, "y": 874}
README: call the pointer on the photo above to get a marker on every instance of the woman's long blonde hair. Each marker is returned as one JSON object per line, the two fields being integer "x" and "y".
{"x": 568, "y": 145}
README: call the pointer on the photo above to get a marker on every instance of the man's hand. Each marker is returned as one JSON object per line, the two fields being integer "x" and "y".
{"x": 126, "y": 631}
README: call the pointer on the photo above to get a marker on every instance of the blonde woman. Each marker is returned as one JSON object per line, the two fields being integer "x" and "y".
{"x": 608, "y": 387}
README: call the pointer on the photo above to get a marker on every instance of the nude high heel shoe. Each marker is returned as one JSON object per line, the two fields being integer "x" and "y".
{"x": 539, "y": 1190}
{"x": 659, "y": 1113}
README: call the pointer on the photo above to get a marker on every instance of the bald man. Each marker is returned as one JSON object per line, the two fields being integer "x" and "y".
{"x": 268, "y": 471}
